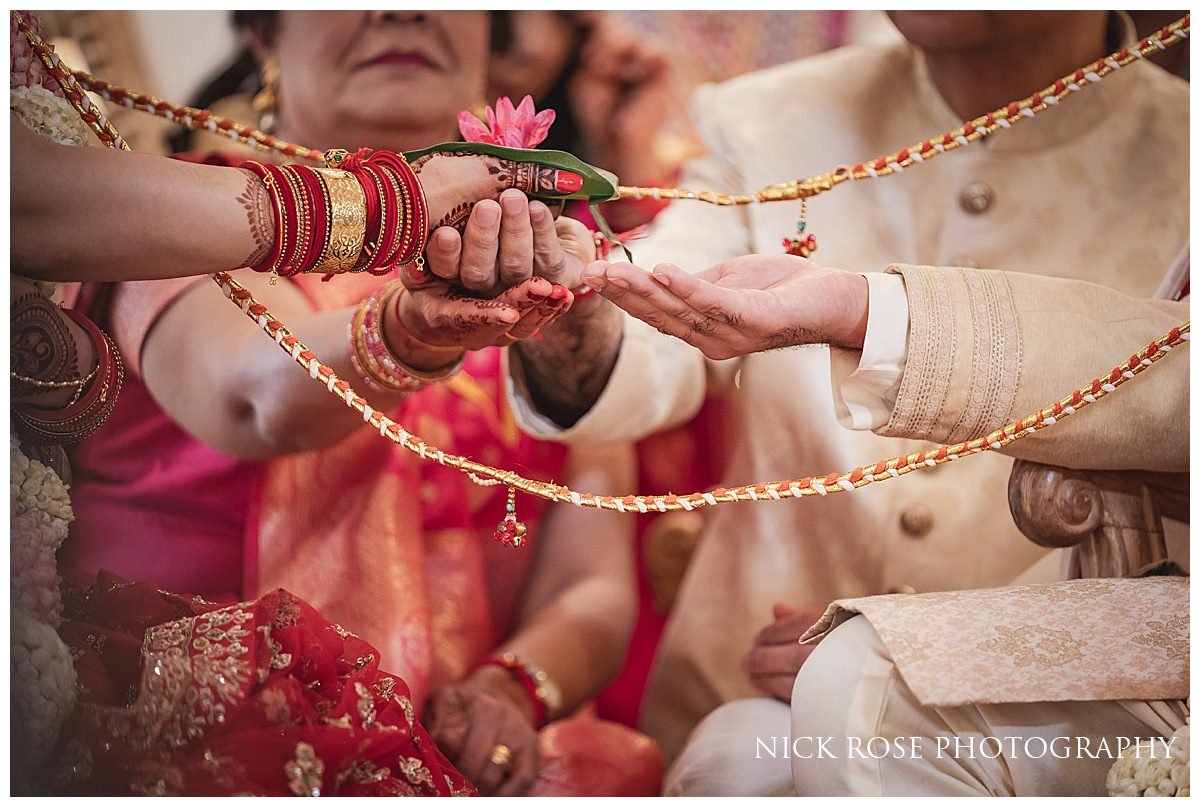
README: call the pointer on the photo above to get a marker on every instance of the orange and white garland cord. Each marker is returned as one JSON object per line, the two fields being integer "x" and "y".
{"x": 974, "y": 130}
{"x": 846, "y": 481}
{"x": 488, "y": 475}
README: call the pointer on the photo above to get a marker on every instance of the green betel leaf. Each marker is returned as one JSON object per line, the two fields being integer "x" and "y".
{"x": 598, "y": 185}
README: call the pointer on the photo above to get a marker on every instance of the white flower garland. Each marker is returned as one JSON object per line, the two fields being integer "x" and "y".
{"x": 43, "y": 675}
{"x": 43, "y": 683}
{"x": 49, "y": 115}
{"x": 40, "y": 512}
{"x": 1144, "y": 770}
{"x": 42, "y": 689}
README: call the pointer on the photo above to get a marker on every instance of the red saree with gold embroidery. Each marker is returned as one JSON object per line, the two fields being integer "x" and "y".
{"x": 180, "y": 696}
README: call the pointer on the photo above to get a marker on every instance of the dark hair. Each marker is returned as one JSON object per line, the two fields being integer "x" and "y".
{"x": 241, "y": 74}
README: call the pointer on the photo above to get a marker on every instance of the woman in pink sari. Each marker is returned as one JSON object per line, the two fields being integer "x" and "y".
{"x": 225, "y": 472}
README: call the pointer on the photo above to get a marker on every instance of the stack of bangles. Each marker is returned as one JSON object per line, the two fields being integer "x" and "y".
{"x": 544, "y": 694}
{"x": 374, "y": 360}
{"x": 365, "y": 212}
{"x": 94, "y": 400}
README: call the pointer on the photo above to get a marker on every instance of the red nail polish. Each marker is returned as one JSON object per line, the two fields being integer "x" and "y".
{"x": 568, "y": 182}
{"x": 558, "y": 292}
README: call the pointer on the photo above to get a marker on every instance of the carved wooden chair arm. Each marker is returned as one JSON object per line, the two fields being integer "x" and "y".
{"x": 1111, "y": 519}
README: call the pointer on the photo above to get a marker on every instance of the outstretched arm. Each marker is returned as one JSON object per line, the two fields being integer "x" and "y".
{"x": 93, "y": 214}
{"x": 962, "y": 324}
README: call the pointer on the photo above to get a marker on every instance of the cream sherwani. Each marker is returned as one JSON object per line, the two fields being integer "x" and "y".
{"x": 1096, "y": 189}
{"x": 1025, "y": 666}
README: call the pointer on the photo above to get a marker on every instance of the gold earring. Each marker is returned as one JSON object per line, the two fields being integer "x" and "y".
{"x": 266, "y": 102}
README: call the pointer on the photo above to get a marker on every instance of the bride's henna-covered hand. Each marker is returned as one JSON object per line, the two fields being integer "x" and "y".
{"x": 744, "y": 305}
{"x": 455, "y": 181}
{"x": 437, "y": 314}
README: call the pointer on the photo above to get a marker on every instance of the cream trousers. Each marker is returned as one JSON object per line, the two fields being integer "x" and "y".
{"x": 856, "y": 729}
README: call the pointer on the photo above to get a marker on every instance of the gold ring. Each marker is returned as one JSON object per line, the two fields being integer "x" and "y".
{"x": 501, "y": 756}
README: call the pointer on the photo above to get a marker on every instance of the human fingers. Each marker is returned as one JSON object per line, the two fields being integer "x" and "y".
{"x": 532, "y": 300}
{"x": 787, "y": 629}
{"x": 777, "y": 686}
{"x": 443, "y": 254}
{"x": 524, "y": 768}
{"x": 440, "y": 317}
{"x": 480, "y": 245}
{"x": 541, "y": 180}
{"x": 549, "y": 259}
{"x": 549, "y": 310}
{"x": 447, "y": 720}
{"x": 516, "y": 258}
{"x": 644, "y": 294}
{"x": 701, "y": 293}
{"x": 475, "y": 762}
{"x": 776, "y": 659}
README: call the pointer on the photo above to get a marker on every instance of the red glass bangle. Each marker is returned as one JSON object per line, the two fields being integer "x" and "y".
{"x": 416, "y": 209}
{"x": 392, "y": 218}
{"x": 524, "y": 673}
{"x": 374, "y": 223}
{"x": 75, "y": 422}
{"x": 297, "y": 208}
{"x": 272, "y": 260}
{"x": 316, "y": 202}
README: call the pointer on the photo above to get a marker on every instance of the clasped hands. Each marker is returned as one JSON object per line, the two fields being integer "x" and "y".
{"x": 507, "y": 275}
{"x": 500, "y": 270}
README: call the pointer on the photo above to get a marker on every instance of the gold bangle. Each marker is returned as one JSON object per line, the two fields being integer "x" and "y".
{"x": 347, "y": 222}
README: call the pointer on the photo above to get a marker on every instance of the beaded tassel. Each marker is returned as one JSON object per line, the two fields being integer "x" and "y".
{"x": 511, "y": 532}
{"x": 802, "y": 244}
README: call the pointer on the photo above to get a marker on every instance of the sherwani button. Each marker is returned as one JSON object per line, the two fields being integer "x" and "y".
{"x": 917, "y": 521}
{"x": 901, "y": 590}
{"x": 976, "y": 198}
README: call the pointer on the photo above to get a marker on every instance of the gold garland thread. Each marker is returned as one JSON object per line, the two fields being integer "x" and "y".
{"x": 783, "y": 489}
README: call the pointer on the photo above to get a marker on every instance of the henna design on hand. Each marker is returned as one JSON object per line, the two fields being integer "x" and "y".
{"x": 41, "y": 344}
{"x": 419, "y": 163}
{"x": 256, "y": 200}
{"x": 528, "y": 177}
{"x": 458, "y": 217}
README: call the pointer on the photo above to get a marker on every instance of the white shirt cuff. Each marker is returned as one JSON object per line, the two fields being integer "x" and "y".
{"x": 865, "y": 384}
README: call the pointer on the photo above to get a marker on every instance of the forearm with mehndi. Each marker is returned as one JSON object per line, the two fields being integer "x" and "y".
{"x": 255, "y": 199}
{"x": 569, "y": 367}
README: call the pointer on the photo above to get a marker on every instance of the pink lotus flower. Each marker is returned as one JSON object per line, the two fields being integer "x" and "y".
{"x": 523, "y": 127}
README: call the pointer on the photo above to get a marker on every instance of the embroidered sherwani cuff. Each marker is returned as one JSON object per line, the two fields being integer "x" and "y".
{"x": 865, "y": 382}
{"x": 964, "y": 354}
{"x": 986, "y": 347}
